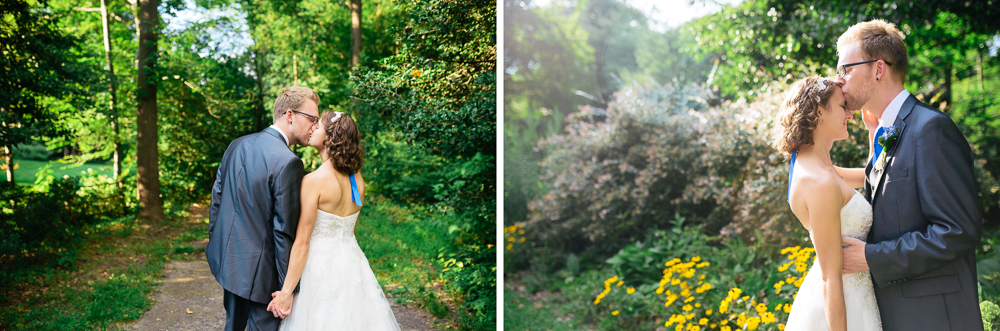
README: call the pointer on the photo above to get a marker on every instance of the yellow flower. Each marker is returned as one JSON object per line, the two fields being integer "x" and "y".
{"x": 788, "y": 308}
{"x": 520, "y": 231}
{"x": 417, "y": 73}
{"x": 697, "y": 305}
{"x": 712, "y": 326}
{"x": 767, "y": 318}
{"x": 614, "y": 313}
{"x": 703, "y": 321}
{"x": 659, "y": 290}
{"x": 510, "y": 247}
{"x": 689, "y": 299}
{"x": 688, "y": 308}
{"x": 746, "y": 297}
{"x": 725, "y": 328}
{"x": 708, "y": 312}
{"x": 761, "y": 308}
{"x": 781, "y": 326}
{"x": 522, "y": 239}
{"x": 620, "y": 283}
{"x": 696, "y": 259}
{"x": 630, "y": 290}
{"x": 752, "y": 323}
{"x": 597, "y": 301}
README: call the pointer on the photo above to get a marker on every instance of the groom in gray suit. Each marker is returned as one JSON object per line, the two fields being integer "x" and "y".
{"x": 926, "y": 211}
{"x": 255, "y": 210}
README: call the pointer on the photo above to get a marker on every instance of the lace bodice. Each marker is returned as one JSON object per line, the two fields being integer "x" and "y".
{"x": 332, "y": 226}
{"x": 856, "y": 218}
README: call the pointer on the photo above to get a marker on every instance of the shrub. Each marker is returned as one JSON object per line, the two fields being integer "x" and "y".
{"x": 704, "y": 288}
{"x": 661, "y": 151}
{"x": 32, "y": 152}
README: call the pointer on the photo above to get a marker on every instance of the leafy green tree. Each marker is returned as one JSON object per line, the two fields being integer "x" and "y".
{"x": 34, "y": 57}
{"x": 439, "y": 92}
{"x": 567, "y": 55}
{"x": 763, "y": 45}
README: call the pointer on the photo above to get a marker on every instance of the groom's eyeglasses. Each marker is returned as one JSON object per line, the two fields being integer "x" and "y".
{"x": 842, "y": 71}
{"x": 311, "y": 117}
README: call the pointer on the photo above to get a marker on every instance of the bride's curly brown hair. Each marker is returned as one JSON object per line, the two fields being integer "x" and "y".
{"x": 799, "y": 114}
{"x": 343, "y": 141}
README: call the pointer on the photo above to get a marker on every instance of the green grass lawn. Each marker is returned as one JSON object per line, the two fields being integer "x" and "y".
{"x": 25, "y": 173}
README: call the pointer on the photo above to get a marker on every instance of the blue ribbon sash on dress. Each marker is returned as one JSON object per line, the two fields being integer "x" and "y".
{"x": 355, "y": 195}
{"x": 791, "y": 168}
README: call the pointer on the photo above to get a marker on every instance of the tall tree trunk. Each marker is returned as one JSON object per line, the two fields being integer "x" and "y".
{"x": 151, "y": 205}
{"x": 261, "y": 111}
{"x": 8, "y": 156}
{"x": 113, "y": 103}
{"x": 356, "y": 32}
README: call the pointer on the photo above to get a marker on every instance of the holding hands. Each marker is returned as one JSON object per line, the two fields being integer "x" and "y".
{"x": 281, "y": 304}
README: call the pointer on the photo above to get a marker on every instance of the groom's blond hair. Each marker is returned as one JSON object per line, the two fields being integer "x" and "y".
{"x": 879, "y": 40}
{"x": 292, "y": 98}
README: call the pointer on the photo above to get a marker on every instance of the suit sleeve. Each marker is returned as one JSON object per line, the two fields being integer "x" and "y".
{"x": 216, "y": 203}
{"x": 949, "y": 201}
{"x": 287, "y": 188}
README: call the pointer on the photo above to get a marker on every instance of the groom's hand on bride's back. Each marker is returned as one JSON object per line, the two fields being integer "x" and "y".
{"x": 854, "y": 255}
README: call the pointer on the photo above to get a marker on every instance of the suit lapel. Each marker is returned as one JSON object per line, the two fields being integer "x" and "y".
{"x": 900, "y": 125}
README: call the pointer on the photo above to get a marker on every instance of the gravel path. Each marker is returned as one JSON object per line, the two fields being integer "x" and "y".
{"x": 191, "y": 299}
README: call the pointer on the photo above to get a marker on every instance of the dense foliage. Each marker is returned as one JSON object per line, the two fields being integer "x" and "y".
{"x": 685, "y": 130}
{"x": 220, "y": 66}
{"x": 610, "y": 141}
{"x": 438, "y": 93}
{"x": 664, "y": 151}
{"x": 684, "y": 279}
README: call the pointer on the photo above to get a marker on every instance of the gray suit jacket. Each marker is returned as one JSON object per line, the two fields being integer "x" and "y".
{"x": 927, "y": 223}
{"x": 253, "y": 215}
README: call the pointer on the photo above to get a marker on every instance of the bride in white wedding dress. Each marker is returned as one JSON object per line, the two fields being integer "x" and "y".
{"x": 822, "y": 196}
{"x": 338, "y": 290}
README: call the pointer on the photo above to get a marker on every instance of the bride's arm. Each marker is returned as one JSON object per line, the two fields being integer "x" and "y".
{"x": 282, "y": 300}
{"x": 855, "y": 177}
{"x": 824, "y": 219}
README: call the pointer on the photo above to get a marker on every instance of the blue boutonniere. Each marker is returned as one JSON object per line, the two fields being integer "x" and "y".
{"x": 888, "y": 138}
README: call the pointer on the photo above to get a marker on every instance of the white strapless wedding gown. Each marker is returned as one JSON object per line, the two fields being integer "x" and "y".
{"x": 338, "y": 290}
{"x": 862, "y": 312}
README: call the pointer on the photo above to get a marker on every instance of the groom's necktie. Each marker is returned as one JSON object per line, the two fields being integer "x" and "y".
{"x": 878, "y": 147}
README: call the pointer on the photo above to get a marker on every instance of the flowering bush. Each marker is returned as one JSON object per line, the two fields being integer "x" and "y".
{"x": 684, "y": 299}
{"x": 666, "y": 150}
